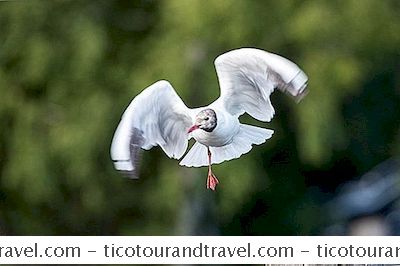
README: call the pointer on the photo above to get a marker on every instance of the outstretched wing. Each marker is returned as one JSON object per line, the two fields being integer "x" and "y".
{"x": 157, "y": 116}
{"x": 248, "y": 76}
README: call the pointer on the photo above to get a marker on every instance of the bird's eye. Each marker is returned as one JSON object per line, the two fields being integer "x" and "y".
{"x": 206, "y": 118}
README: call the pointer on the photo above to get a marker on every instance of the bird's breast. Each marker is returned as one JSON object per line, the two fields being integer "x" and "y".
{"x": 227, "y": 127}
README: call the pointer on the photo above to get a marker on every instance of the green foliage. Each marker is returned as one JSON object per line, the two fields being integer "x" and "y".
{"x": 69, "y": 68}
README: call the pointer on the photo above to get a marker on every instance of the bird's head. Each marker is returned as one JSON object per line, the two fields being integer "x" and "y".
{"x": 205, "y": 120}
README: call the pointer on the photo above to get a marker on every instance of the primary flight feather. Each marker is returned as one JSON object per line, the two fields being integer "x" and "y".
{"x": 158, "y": 116}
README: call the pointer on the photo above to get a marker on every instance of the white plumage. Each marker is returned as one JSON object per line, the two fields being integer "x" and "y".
{"x": 158, "y": 116}
{"x": 241, "y": 144}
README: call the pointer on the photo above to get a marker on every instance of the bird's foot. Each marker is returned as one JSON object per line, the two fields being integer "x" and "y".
{"x": 212, "y": 180}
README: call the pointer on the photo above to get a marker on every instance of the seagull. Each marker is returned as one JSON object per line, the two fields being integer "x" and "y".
{"x": 158, "y": 116}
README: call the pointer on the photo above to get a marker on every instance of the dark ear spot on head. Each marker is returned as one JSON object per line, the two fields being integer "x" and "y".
{"x": 210, "y": 120}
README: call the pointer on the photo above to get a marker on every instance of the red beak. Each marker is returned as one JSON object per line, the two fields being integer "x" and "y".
{"x": 192, "y": 128}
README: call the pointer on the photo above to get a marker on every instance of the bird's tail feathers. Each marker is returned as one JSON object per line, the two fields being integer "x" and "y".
{"x": 241, "y": 144}
{"x": 196, "y": 157}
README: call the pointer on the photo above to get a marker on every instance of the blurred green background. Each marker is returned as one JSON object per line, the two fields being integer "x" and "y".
{"x": 68, "y": 69}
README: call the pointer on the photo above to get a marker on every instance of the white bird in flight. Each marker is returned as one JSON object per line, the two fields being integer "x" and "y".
{"x": 158, "y": 116}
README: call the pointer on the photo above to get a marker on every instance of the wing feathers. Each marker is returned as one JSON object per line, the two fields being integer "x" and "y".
{"x": 157, "y": 116}
{"x": 248, "y": 76}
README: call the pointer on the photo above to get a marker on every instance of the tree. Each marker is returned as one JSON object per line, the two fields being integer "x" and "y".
{"x": 68, "y": 69}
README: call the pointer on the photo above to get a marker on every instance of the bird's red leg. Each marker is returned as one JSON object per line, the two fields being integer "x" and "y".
{"x": 212, "y": 180}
